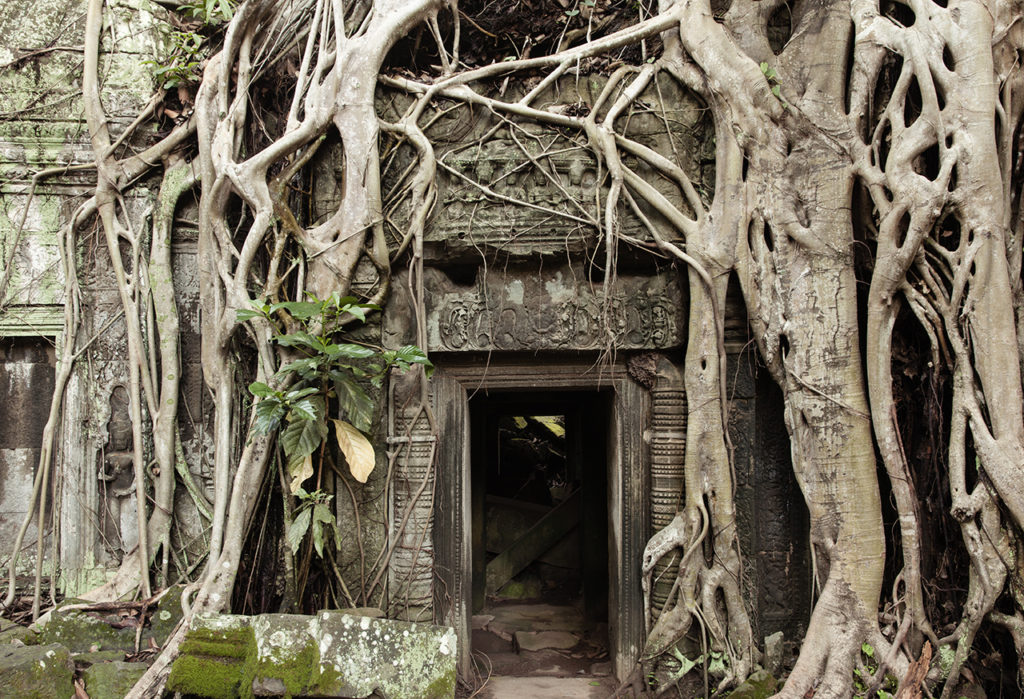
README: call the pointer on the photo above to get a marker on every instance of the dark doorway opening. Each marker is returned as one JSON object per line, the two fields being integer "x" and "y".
{"x": 540, "y": 513}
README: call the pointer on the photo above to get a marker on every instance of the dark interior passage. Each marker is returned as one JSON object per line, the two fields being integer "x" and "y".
{"x": 540, "y": 521}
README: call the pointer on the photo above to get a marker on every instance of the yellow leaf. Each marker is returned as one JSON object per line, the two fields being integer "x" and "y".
{"x": 300, "y": 471}
{"x": 357, "y": 450}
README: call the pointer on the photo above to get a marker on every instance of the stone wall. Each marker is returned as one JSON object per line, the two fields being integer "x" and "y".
{"x": 45, "y": 174}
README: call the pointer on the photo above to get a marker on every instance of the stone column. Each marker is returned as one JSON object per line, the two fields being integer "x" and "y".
{"x": 668, "y": 448}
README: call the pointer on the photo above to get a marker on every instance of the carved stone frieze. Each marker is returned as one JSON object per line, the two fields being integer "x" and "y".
{"x": 540, "y": 309}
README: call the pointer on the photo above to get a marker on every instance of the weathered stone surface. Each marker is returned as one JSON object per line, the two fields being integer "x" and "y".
{"x": 543, "y": 308}
{"x": 11, "y": 632}
{"x": 167, "y": 615}
{"x": 397, "y": 658}
{"x": 760, "y": 685}
{"x": 774, "y": 649}
{"x": 81, "y": 632}
{"x": 97, "y": 657}
{"x": 287, "y": 655}
{"x": 112, "y": 680}
{"x": 217, "y": 657}
{"x": 542, "y": 640}
{"x": 330, "y": 655}
{"x": 31, "y": 672}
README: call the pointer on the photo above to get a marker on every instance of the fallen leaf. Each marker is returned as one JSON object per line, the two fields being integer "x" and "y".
{"x": 357, "y": 450}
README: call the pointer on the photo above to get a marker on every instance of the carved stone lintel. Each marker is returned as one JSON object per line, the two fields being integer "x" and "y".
{"x": 536, "y": 309}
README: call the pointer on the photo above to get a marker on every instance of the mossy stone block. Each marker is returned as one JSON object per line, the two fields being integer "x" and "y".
{"x": 112, "y": 680}
{"x": 216, "y": 658}
{"x": 760, "y": 685}
{"x": 99, "y": 656}
{"x": 37, "y": 672}
{"x": 11, "y": 632}
{"x": 359, "y": 655}
{"x": 81, "y": 631}
{"x": 167, "y": 615}
{"x": 287, "y": 654}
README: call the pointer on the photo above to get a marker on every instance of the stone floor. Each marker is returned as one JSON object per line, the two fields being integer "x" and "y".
{"x": 506, "y": 687}
{"x": 541, "y": 651}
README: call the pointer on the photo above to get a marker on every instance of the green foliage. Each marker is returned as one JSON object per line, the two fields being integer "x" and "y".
{"x": 315, "y": 517}
{"x": 864, "y": 678}
{"x": 183, "y": 65}
{"x": 210, "y": 12}
{"x": 327, "y": 375}
{"x": 773, "y": 81}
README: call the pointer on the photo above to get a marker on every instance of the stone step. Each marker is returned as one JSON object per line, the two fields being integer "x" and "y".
{"x": 505, "y": 687}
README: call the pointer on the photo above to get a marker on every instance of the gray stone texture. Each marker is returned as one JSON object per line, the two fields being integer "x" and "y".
{"x": 332, "y": 654}
{"x": 36, "y": 672}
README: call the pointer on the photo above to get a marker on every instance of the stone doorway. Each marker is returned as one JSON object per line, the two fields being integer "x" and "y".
{"x": 553, "y": 385}
{"x": 540, "y": 519}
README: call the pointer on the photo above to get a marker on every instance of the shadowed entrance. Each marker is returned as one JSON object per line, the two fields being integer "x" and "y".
{"x": 540, "y": 527}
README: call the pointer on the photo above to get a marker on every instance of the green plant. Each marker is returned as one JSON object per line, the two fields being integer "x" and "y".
{"x": 323, "y": 378}
{"x": 326, "y": 372}
{"x": 773, "y": 81}
{"x": 313, "y": 514}
{"x": 864, "y": 677}
{"x": 183, "y": 65}
{"x": 210, "y": 12}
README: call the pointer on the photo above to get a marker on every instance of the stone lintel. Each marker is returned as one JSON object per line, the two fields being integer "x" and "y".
{"x": 542, "y": 308}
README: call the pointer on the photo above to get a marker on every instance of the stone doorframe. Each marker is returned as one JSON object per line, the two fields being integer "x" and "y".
{"x": 459, "y": 378}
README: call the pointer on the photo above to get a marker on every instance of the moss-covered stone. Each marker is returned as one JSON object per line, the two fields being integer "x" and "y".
{"x": 760, "y": 685}
{"x": 99, "y": 656}
{"x": 399, "y": 659}
{"x": 36, "y": 672}
{"x": 287, "y": 654}
{"x": 11, "y": 632}
{"x": 167, "y": 615}
{"x": 332, "y": 654}
{"x": 216, "y": 659}
{"x": 112, "y": 680}
{"x": 81, "y": 632}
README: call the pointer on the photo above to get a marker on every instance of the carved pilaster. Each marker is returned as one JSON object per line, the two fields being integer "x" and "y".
{"x": 412, "y": 497}
{"x": 668, "y": 452}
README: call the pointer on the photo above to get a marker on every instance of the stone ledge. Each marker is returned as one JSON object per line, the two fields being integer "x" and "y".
{"x": 332, "y": 654}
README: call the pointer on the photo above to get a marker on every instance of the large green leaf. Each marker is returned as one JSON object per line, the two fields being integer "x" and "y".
{"x": 269, "y": 413}
{"x": 303, "y": 367}
{"x": 307, "y": 408}
{"x": 300, "y": 310}
{"x": 353, "y": 401}
{"x": 302, "y": 437}
{"x": 297, "y": 529}
{"x": 300, "y": 339}
{"x": 297, "y": 393}
{"x": 349, "y": 351}
{"x": 244, "y": 314}
{"x": 260, "y": 389}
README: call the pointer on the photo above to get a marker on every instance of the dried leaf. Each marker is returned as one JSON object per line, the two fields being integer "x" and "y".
{"x": 357, "y": 450}
{"x": 300, "y": 471}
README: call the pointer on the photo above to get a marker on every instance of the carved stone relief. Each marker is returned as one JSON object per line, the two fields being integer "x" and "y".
{"x": 535, "y": 309}
{"x": 116, "y": 477}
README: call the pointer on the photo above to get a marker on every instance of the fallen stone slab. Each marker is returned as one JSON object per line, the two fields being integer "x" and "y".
{"x": 37, "y": 672}
{"x": 10, "y": 632}
{"x": 544, "y": 640}
{"x": 81, "y": 632}
{"x": 332, "y": 654}
{"x": 112, "y": 680}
